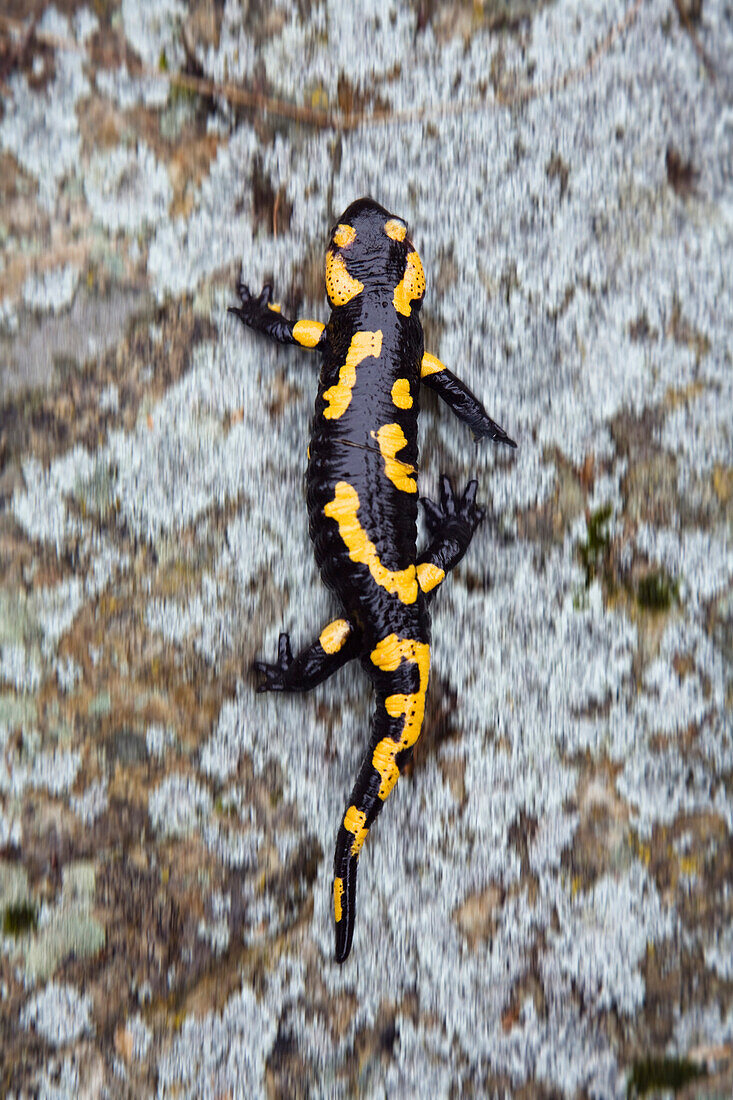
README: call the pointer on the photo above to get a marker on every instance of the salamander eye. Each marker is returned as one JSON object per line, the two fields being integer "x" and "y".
{"x": 396, "y": 229}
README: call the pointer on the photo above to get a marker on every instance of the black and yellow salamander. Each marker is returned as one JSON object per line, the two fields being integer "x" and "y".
{"x": 362, "y": 501}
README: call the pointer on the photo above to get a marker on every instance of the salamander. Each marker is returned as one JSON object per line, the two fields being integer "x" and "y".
{"x": 363, "y": 500}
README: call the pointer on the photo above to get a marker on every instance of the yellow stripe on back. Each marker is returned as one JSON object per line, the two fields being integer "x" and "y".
{"x": 363, "y": 346}
{"x": 401, "y": 396}
{"x": 343, "y": 508}
{"x": 391, "y": 439}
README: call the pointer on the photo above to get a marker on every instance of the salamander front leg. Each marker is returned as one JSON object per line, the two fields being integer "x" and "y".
{"x": 461, "y": 401}
{"x": 337, "y": 644}
{"x": 263, "y": 315}
{"x": 451, "y": 524}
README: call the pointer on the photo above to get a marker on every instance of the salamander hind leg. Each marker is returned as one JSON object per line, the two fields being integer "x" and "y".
{"x": 451, "y": 524}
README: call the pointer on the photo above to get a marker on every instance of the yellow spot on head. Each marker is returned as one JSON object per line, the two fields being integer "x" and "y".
{"x": 388, "y": 655}
{"x": 340, "y": 286}
{"x": 401, "y": 395}
{"x": 334, "y": 635}
{"x": 308, "y": 333}
{"x": 338, "y": 893}
{"x": 430, "y": 365}
{"x": 363, "y": 346}
{"x": 343, "y": 508}
{"x": 429, "y": 576}
{"x": 275, "y": 307}
{"x": 395, "y": 229}
{"x": 391, "y": 439}
{"x": 344, "y": 235}
{"x": 411, "y": 286}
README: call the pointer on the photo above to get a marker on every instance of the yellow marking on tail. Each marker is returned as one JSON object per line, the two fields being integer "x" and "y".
{"x": 344, "y": 235}
{"x": 391, "y": 439}
{"x": 395, "y": 229}
{"x": 340, "y": 286}
{"x": 333, "y": 636}
{"x": 388, "y": 655}
{"x": 364, "y": 345}
{"x": 343, "y": 508}
{"x": 355, "y": 822}
{"x": 359, "y": 840}
{"x": 401, "y": 395}
{"x": 308, "y": 333}
{"x": 429, "y": 576}
{"x": 430, "y": 365}
{"x": 411, "y": 285}
{"x": 338, "y": 893}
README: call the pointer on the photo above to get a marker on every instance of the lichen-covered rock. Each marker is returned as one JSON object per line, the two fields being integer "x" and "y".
{"x": 546, "y": 907}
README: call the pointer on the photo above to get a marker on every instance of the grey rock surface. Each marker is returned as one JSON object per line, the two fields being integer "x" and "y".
{"x": 546, "y": 904}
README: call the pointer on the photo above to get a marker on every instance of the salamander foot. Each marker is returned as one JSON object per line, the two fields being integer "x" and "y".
{"x": 276, "y": 676}
{"x": 452, "y": 516}
{"x": 252, "y": 309}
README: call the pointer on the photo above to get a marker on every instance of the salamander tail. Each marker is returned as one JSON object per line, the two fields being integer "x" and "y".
{"x": 344, "y": 894}
{"x": 401, "y": 679}
{"x": 362, "y": 810}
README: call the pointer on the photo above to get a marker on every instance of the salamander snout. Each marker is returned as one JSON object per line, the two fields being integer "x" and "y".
{"x": 369, "y": 248}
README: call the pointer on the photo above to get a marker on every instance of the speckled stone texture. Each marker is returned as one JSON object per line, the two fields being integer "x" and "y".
{"x": 546, "y": 905}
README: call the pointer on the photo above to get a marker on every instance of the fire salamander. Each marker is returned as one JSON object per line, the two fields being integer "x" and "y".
{"x": 362, "y": 502}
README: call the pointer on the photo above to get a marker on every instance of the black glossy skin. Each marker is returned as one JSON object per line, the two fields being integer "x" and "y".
{"x": 345, "y": 452}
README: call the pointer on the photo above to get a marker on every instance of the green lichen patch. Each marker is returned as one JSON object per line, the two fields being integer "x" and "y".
{"x": 68, "y": 934}
{"x": 17, "y": 711}
{"x": 71, "y": 930}
{"x": 594, "y": 552}
{"x": 653, "y": 1074}
{"x": 18, "y": 624}
{"x": 657, "y": 591}
{"x": 19, "y": 919}
{"x": 100, "y": 705}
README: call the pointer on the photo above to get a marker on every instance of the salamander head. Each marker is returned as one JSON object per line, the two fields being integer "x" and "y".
{"x": 370, "y": 250}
